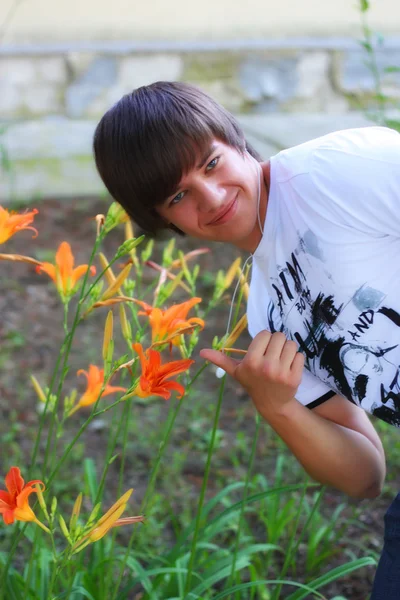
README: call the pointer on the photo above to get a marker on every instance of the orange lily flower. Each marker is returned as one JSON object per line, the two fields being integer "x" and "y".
{"x": 95, "y": 381}
{"x": 63, "y": 273}
{"x": 107, "y": 521}
{"x": 12, "y": 222}
{"x": 14, "y": 504}
{"x": 164, "y": 323}
{"x": 153, "y": 380}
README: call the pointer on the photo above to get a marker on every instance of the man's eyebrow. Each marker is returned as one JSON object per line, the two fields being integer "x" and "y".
{"x": 206, "y": 155}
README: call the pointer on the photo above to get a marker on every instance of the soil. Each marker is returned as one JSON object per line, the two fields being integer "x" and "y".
{"x": 31, "y": 335}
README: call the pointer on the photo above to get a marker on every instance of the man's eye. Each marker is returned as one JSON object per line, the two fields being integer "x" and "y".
{"x": 213, "y": 163}
{"x": 177, "y": 198}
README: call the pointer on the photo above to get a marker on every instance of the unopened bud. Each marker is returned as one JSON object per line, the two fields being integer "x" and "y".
{"x": 42, "y": 503}
{"x": 128, "y": 246}
{"x": 53, "y": 508}
{"x": 40, "y": 393}
{"x": 108, "y": 334}
{"x": 106, "y": 268}
{"x": 64, "y": 528}
{"x": 125, "y": 325}
{"x": 115, "y": 286}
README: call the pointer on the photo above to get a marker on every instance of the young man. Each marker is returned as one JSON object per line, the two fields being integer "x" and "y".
{"x": 322, "y": 221}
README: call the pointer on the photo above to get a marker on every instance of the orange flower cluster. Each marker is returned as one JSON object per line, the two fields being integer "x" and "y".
{"x": 166, "y": 323}
{"x": 167, "y": 326}
{"x": 14, "y": 506}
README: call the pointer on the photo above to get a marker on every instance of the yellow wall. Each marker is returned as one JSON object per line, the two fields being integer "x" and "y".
{"x": 45, "y": 21}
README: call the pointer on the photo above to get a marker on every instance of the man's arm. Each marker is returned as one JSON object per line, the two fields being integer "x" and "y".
{"x": 335, "y": 443}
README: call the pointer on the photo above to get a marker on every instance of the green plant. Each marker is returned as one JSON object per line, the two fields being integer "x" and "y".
{"x": 373, "y": 42}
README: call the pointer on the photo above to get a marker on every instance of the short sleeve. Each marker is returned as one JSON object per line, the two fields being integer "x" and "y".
{"x": 312, "y": 391}
{"x": 358, "y": 172}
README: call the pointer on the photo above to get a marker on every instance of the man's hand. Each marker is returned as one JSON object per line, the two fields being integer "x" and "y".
{"x": 270, "y": 372}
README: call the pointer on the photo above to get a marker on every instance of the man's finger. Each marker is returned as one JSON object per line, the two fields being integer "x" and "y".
{"x": 298, "y": 366}
{"x": 221, "y": 360}
{"x": 259, "y": 344}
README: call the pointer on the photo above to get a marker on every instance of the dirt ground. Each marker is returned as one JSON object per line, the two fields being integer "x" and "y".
{"x": 31, "y": 334}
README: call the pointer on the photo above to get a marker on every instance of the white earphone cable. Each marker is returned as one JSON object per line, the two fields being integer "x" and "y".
{"x": 220, "y": 372}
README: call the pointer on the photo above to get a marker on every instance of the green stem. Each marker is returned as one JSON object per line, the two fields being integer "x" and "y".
{"x": 17, "y": 537}
{"x": 245, "y": 493}
{"x": 68, "y": 340}
{"x": 373, "y": 65}
{"x": 173, "y": 413}
{"x": 107, "y": 408}
{"x": 65, "y": 321}
{"x": 290, "y": 552}
{"x": 126, "y": 421}
{"x": 83, "y": 298}
{"x": 72, "y": 443}
{"x": 54, "y": 577}
{"x": 112, "y": 442}
{"x": 30, "y": 565}
{"x": 71, "y": 576}
{"x": 309, "y": 518}
{"x": 203, "y": 488}
{"x": 43, "y": 416}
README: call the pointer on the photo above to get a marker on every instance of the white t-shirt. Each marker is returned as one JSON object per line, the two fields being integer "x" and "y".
{"x": 327, "y": 270}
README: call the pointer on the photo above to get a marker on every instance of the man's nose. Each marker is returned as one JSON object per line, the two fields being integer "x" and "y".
{"x": 211, "y": 196}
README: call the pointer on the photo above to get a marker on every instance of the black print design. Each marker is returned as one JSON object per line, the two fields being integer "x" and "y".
{"x": 348, "y": 365}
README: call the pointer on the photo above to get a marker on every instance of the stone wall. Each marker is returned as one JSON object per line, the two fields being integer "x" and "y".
{"x": 83, "y": 84}
{"x": 50, "y": 99}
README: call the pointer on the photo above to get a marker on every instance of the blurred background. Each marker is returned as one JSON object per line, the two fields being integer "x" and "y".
{"x": 291, "y": 70}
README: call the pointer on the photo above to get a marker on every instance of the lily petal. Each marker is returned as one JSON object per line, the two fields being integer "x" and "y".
{"x": 14, "y": 481}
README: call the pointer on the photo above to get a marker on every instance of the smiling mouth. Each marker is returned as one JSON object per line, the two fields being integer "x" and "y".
{"x": 225, "y": 214}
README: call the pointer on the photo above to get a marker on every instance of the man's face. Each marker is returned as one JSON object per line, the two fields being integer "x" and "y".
{"x": 217, "y": 199}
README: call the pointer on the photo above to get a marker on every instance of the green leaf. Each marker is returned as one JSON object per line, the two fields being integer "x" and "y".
{"x": 217, "y": 523}
{"x": 91, "y": 478}
{"x": 393, "y": 124}
{"x": 80, "y": 590}
{"x": 241, "y": 563}
{"x": 367, "y": 46}
{"x": 334, "y": 574}
{"x": 391, "y": 70}
{"x": 45, "y": 559}
{"x": 364, "y": 5}
{"x": 305, "y": 589}
{"x": 159, "y": 571}
{"x": 136, "y": 566}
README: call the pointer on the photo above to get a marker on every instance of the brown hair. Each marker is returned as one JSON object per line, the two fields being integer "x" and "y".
{"x": 147, "y": 141}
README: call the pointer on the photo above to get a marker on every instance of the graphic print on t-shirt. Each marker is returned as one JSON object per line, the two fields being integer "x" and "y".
{"x": 341, "y": 338}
